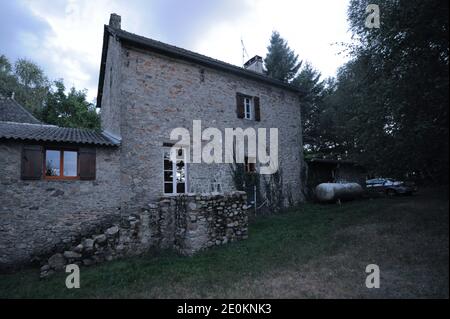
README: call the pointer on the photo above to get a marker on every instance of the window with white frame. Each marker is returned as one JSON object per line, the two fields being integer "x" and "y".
{"x": 175, "y": 172}
{"x": 248, "y": 108}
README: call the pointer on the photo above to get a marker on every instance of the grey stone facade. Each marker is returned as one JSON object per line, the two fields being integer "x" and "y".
{"x": 154, "y": 94}
{"x": 144, "y": 95}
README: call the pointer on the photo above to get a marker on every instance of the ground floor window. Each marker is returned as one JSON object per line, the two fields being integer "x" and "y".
{"x": 175, "y": 172}
{"x": 61, "y": 164}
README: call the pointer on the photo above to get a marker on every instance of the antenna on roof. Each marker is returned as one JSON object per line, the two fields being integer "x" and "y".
{"x": 244, "y": 52}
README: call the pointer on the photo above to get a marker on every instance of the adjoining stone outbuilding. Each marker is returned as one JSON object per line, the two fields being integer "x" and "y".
{"x": 60, "y": 185}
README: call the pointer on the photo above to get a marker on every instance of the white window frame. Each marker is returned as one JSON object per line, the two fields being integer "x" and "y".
{"x": 174, "y": 175}
{"x": 248, "y": 113}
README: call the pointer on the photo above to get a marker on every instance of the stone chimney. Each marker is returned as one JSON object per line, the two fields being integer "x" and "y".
{"x": 255, "y": 64}
{"x": 115, "y": 21}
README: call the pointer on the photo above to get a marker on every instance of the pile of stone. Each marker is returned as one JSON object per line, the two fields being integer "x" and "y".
{"x": 95, "y": 249}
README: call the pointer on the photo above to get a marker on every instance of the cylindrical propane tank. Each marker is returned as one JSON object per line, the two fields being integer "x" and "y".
{"x": 330, "y": 192}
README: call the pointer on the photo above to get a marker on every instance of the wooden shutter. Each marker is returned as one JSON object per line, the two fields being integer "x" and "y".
{"x": 257, "y": 109}
{"x": 86, "y": 157}
{"x": 32, "y": 162}
{"x": 240, "y": 105}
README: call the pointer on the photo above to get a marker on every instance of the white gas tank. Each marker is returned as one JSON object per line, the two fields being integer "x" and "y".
{"x": 330, "y": 192}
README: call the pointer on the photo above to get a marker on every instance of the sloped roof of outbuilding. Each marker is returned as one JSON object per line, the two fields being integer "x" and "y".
{"x": 13, "y": 111}
{"x": 52, "y": 133}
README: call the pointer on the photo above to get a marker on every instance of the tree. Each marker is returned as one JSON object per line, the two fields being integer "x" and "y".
{"x": 308, "y": 80}
{"x": 69, "y": 110}
{"x": 281, "y": 62}
{"x": 26, "y": 80}
{"x": 7, "y": 80}
{"x": 49, "y": 102}
{"x": 390, "y": 101}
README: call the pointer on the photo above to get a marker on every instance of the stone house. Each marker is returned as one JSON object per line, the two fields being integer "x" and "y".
{"x": 146, "y": 89}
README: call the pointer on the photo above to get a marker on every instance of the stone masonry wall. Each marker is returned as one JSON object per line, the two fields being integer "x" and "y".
{"x": 204, "y": 221}
{"x": 186, "y": 223}
{"x": 39, "y": 217}
{"x": 158, "y": 94}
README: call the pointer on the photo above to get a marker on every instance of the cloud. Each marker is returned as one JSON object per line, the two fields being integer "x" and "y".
{"x": 65, "y": 36}
{"x": 20, "y": 30}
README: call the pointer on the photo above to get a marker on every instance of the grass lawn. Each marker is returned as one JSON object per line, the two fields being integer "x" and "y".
{"x": 316, "y": 251}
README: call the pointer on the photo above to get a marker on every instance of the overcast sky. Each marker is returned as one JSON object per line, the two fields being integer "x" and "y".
{"x": 65, "y": 36}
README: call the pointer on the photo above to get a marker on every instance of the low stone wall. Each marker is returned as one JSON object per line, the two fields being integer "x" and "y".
{"x": 205, "y": 221}
{"x": 186, "y": 223}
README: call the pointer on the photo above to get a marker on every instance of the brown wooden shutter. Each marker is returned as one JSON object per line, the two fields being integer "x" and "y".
{"x": 240, "y": 105}
{"x": 86, "y": 157}
{"x": 257, "y": 109}
{"x": 32, "y": 162}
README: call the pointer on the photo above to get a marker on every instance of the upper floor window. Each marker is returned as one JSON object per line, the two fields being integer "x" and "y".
{"x": 249, "y": 165}
{"x": 248, "y": 107}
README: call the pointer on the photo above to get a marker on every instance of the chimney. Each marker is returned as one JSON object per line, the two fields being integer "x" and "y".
{"x": 115, "y": 21}
{"x": 255, "y": 64}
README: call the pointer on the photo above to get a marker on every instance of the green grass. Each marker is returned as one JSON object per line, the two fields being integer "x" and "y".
{"x": 313, "y": 251}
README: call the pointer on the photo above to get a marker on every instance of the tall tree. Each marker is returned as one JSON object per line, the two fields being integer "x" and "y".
{"x": 26, "y": 80}
{"x": 69, "y": 110}
{"x": 48, "y": 101}
{"x": 392, "y": 97}
{"x": 281, "y": 62}
{"x": 308, "y": 80}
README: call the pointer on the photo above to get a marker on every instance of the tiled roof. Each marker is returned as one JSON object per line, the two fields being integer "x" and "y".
{"x": 179, "y": 53}
{"x": 52, "y": 133}
{"x": 12, "y": 111}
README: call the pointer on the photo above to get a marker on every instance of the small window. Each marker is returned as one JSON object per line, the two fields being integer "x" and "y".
{"x": 248, "y": 108}
{"x": 248, "y": 166}
{"x": 61, "y": 164}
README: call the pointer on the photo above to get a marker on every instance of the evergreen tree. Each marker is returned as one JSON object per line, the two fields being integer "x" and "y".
{"x": 281, "y": 62}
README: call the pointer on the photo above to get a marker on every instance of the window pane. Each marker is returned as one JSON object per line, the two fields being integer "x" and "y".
{"x": 168, "y": 188}
{"x": 181, "y": 172}
{"x": 70, "y": 163}
{"x": 180, "y": 188}
{"x": 52, "y": 161}
{"x": 168, "y": 176}
{"x": 167, "y": 165}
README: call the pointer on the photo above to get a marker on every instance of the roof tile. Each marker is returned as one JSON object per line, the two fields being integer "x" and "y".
{"x": 52, "y": 133}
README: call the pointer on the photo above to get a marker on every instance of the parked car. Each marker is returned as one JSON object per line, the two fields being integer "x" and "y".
{"x": 390, "y": 186}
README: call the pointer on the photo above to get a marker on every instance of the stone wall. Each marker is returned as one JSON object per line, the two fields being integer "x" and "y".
{"x": 186, "y": 223}
{"x": 41, "y": 216}
{"x": 204, "y": 221}
{"x": 157, "y": 94}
